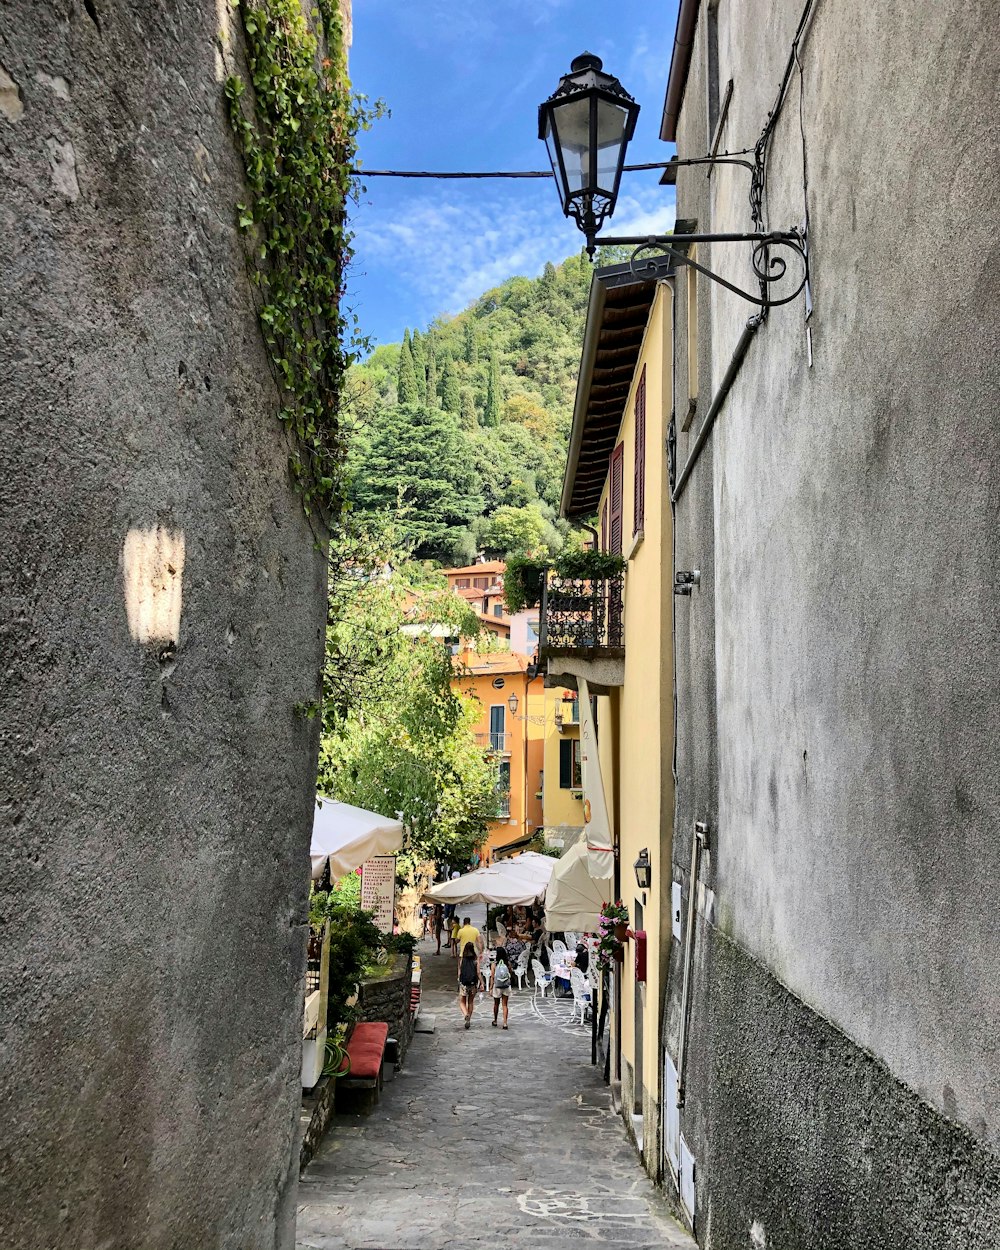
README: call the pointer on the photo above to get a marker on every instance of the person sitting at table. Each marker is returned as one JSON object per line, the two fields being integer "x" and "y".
{"x": 582, "y": 956}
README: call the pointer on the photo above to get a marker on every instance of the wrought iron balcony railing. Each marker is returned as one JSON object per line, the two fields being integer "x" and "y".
{"x": 498, "y": 743}
{"x": 581, "y": 616}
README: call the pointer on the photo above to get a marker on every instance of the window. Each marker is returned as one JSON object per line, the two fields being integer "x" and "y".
{"x": 532, "y": 631}
{"x": 462, "y": 583}
{"x": 498, "y": 739}
{"x": 503, "y": 787}
{"x": 639, "y": 501}
{"x": 570, "y": 769}
{"x": 480, "y": 583}
{"x": 498, "y": 683}
{"x": 498, "y": 609}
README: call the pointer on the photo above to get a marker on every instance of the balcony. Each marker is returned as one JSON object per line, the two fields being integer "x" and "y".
{"x": 495, "y": 743}
{"x": 582, "y": 632}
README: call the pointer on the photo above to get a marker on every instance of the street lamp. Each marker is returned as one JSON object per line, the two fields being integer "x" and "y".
{"x": 587, "y": 123}
{"x": 512, "y": 704}
{"x": 643, "y": 870}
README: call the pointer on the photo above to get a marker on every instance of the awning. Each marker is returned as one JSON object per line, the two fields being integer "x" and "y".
{"x": 508, "y": 883}
{"x": 580, "y": 885}
{"x": 346, "y": 836}
{"x": 519, "y": 844}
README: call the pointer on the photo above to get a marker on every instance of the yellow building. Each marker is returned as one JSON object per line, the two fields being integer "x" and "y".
{"x": 616, "y": 633}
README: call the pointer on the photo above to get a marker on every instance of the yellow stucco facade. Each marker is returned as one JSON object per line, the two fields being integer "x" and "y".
{"x": 635, "y": 733}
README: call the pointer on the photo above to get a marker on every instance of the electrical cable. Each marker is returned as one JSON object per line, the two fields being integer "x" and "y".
{"x": 497, "y": 173}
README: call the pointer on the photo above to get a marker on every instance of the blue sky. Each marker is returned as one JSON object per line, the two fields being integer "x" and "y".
{"x": 463, "y": 80}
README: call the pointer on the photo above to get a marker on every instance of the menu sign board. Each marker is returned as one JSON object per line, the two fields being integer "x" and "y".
{"x": 378, "y": 889}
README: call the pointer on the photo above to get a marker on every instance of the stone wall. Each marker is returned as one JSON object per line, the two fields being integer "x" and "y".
{"x": 388, "y": 998}
{"x": 155, "y": 781}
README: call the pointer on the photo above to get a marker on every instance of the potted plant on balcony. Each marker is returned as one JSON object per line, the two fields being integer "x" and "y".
{"x": 614, "y": 931}
{"x": 522, "y": 582}
{"x": 588, "y": 566}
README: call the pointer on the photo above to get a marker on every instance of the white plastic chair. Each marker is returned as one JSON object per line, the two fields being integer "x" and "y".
{"x": 571, "y": 940}
{"x": 521, "y": 967}
{"x": 560, "y": 950}
{"x": 486, "y": 968}
{"x": 542, "y": 978}
{"x": 501, "y": 933}
{"x": 581, "y": 993}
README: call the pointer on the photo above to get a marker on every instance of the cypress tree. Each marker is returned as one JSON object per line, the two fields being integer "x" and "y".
{"x": 467, "y": 409}
{"x": 491, "y": 415}
{"x": 471, "y": 342}
{"x": 406, "y": 382}
{"x": 432, "y": 395}
{"x": 451, "y": 392}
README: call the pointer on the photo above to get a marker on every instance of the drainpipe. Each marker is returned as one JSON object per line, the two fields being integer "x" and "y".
{"x": 699, "y": 842}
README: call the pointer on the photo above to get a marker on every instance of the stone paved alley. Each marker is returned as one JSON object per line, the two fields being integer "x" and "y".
{"x": 484, "y": 1138}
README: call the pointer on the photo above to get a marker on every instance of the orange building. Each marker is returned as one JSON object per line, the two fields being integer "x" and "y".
{"x": 511, "y": 729}
{"x": 481, "y": 586}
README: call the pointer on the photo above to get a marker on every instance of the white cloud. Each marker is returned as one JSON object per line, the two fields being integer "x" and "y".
{"x": 443, "y": 248}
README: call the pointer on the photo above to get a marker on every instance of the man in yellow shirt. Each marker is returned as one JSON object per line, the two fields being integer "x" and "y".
{"x": 469, "y": 933}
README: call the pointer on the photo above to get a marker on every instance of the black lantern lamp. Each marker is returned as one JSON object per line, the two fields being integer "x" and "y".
{"x": 587, "y": 123}
{"x": 643, "y": 870}
{"x": 512, "y": 704}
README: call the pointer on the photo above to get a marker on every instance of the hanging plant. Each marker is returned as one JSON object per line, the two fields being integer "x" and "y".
{"x": 588, "y": 566}
{"x": 296, "y": 124}
{"x": 522, "y": 582}
{"x": 614, "y": 929}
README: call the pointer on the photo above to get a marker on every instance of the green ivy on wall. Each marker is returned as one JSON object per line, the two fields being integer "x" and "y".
{"x": 296, "y": 127}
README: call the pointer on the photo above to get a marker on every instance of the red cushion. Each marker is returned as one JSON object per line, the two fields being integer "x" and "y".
{"x": 365, "y": 1049}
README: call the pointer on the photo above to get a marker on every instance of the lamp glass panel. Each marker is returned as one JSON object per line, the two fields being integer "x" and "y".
{"x": 612, "y": 121}
{"x": 572, "y": 124}
{"x": 552, "y": 149}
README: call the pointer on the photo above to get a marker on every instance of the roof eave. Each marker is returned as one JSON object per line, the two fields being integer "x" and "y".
{"x": 591, "y": 336}
{"x": 680, "y": 64}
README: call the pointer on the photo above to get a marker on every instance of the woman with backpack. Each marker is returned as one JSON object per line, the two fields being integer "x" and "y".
{"x": 501, "y": 985}
{"x": 469, "y": 980}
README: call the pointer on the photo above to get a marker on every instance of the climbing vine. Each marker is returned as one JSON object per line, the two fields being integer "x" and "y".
{"x": 296, "y": 126}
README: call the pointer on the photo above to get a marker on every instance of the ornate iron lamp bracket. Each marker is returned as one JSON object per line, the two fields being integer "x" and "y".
{"x": 769, "y": 268}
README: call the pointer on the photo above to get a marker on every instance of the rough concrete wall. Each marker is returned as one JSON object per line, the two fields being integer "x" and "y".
{"x": 856, "y": 648}
{"x": 387, "y": 999}
{"x": 156, "y": 800}
{"x": 814, "y": 1144}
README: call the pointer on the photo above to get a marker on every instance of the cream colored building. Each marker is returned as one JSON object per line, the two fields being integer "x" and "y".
{"x": 617, "y": 472}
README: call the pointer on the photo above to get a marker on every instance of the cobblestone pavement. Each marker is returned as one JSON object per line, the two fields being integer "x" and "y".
{"x": 485, "y": 1138}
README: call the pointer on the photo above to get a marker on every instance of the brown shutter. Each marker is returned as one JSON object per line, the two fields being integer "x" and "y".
{"x": 604, "y": 526}
{"x": 616, "y": 500}
{"x": 639, "y": 509}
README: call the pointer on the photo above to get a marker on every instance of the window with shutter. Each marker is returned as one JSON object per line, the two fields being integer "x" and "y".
{"x": 639, "y": 502}
{"x": 566, "y": 763}
{"x": 616, "y": 500}
{"x": 604, "y": 526}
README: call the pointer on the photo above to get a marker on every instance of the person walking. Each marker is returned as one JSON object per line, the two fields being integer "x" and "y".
{"x": 469, "y": 933}
{"x": 469, "y": 981}
{"x": 501, "y": 985}
{"x": 455, "y": 948}
{"x": 438, "y": 925}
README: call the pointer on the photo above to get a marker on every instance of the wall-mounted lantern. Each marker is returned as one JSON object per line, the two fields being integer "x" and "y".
{"x": 512, "y": 703}
{"x": 643, "y": 870}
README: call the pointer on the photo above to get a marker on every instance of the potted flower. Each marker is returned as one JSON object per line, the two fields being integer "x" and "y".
{"x": 614, "y": 933}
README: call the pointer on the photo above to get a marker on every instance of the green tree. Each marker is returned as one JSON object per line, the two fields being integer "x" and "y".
{"x": 451, "y": 392}
{"x": 515, "y": 532}
{"x": 406, "y": 381}
{"x": 467, "y": 408}
{"x": 432, "y": 395}
{"x": 471, "y": 338}
{"x": 491, "y": 413}
{"x": 397, "y": 736}
{"x": 419, "y": 468}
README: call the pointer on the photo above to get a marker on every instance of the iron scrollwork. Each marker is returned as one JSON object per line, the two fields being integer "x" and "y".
{"x": 768, "y": 267}
{"x": 583, "y": 615}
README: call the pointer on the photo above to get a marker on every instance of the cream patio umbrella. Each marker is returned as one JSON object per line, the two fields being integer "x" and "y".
{"x": 346, "y": 836}
{"x": 580, "y": 885}
{"x": 508, "y": 883}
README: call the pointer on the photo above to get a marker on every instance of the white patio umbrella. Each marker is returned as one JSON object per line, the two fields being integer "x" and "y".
{"x": 580, "y": 884}
{"x": 346, "y": 836}
{"x": 507, "y": 883}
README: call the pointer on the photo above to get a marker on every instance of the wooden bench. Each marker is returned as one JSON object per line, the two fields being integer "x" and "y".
{"x": 358, "y": 1091}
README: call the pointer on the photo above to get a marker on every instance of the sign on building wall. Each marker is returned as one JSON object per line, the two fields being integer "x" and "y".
{"x": 378, "y": 889}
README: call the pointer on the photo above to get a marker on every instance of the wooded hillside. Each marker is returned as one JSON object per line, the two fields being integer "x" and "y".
{"x": 460, "y": 431}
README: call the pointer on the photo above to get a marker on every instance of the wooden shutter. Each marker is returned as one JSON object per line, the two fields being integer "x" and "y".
{"x": 639, "y": 502}
{"x": 604, "y": 526}
{"x": 616, "y": 500}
